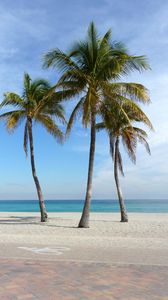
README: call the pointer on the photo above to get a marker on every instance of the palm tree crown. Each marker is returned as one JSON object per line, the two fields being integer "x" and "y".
{"x": 33, "y": 104}
{"x": 90, "y": 66}
{"x": 118, "y": 121}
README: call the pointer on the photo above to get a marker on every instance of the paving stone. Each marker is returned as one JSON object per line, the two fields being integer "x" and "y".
{"x": 59, "y": 280}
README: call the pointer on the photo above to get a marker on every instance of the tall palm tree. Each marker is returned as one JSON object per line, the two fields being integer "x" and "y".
{"x": 119, "y": 126}
{"x": 90, "y": 69}
{"x": 36, "y": 105}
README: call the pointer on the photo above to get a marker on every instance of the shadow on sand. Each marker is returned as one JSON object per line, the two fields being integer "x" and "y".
{"x": 34, "y": 220}
{"x": 14, "y": 220}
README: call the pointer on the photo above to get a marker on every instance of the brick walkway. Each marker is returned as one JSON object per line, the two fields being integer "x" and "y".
{"x": 29, "y": 279}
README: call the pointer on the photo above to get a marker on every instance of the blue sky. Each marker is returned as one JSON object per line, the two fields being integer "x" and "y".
{"x": 28, "y": 29}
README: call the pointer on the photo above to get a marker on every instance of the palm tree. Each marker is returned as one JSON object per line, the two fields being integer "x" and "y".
{"x": 90, "y": 69}
{"x": 119, "y": 127}
{"x": 36, "y": 105}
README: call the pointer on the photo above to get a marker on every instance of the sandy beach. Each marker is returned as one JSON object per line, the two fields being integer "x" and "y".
{"x": 143, "y": 240}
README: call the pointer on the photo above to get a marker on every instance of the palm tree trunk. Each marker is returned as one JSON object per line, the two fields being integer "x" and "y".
{"x": 124, "y": 217}
{"x": 38, "y": 187}
{"x": 84, "y": 221}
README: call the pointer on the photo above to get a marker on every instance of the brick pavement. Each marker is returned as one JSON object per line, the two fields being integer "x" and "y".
{"x": 67, "y": 280}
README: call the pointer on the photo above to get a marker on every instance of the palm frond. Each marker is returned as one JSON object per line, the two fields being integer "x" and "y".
{"x": 55, "y": 109}
{"x": 140, "y": 131}
{"x": 135, "y": 63}
{"x": 130, "y": 142}
{"x": 100, "y": 126}
{"x": 13, "y": 118}
{"x": 118, "y": 49}
{"x": 57, "y": 58}
{"x": 66, "y": 94}
{"x": 92, "y": 43}
{"x": 129, "y": 108}
{"x": 75, "y": 112}
{"x": 135, "y": 91}
{"x": 27, "y": 81}
{"x": 48, "y": 123}
{"x": 79, "y": 76}
{"x": 144, "y": 142}
{"x": 135, "y": 113}
{"x": 86, "y": 109}
{"x": 12, "y": 99}
{"x": 39, "y": 87}
{"x": 106, "y": 38}
{"x": 141, "y": 137}
{"x": 109, "y": 69}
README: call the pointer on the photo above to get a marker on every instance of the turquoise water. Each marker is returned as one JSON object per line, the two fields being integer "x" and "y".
{"x": 144, "y": 206}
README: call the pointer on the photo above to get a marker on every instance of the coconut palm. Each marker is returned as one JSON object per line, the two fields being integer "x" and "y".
{"x": 90, "y": 69}
{"x": 36, "y": 105}
{"x": 119, "y": 126}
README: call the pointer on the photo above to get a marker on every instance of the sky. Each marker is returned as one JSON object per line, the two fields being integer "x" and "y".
{"x": 28, "y": 29}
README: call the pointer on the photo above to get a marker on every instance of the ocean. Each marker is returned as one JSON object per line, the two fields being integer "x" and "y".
{"x": 139, "y": 206}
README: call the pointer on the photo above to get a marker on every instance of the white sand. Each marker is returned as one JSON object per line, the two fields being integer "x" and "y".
{"x": 142, "y": 232}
